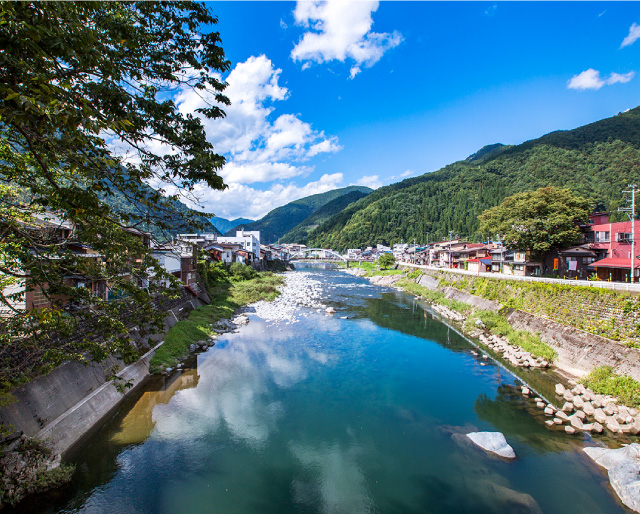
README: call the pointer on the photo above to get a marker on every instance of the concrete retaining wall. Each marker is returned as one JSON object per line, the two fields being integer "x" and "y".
{"x": 476, "y": 301}
{"x": 74, "y": 397}
{"x": 73, "y": 424}
{"x": 578, "y": 351}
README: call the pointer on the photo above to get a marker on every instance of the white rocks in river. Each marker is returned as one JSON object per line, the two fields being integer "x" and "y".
{"x": 568, "y": 395}
{"x": 525, "y": 391}
{"x": 562, "y": 415}
{"x": 330, "y": 310}
{"x": 299, "y": 290}
{"x": 548, "y": 411}
{"x": 567, "y": 407}
{"x": 623, "y": 466}
{"x": 493, "y": 442}
{"x": 557, "y": 421}
{"x": 540, "y": 405}
{"x": 559, "y": 389}
{"x": 569, "y": 430}
{"x": 578, "y": 402}
{"x": 610, "y": 409}
{"x": 600, "y": 416}
{"x": 588, "y": 409}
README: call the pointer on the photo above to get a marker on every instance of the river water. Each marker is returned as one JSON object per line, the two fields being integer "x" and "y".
{"x": 333, "y": 415}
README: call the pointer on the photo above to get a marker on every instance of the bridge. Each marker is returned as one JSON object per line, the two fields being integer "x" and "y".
{"x": 302, "y": 254}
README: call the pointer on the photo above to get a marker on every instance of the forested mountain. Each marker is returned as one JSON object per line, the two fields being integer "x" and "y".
{"x": 178, "y": 226}
{"x": 301, "y": 231}
{"x": 596, "y": 161}
{"x": 225, "y": 225}
{"x": 282, "y": 219}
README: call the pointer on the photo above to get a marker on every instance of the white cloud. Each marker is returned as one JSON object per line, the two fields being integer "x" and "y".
{"x": 258, "y": 149}
{"x": 407, "y": 173}
{"x": 634, "y": 35}
{"x": 372, "y": 181}
{"x": 248, "y": 202}
{"x": 590, "y": 79}
{"x": 339, "y": 30}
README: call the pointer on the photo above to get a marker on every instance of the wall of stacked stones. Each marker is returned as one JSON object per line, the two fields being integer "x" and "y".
{"x": 611, "y": 314}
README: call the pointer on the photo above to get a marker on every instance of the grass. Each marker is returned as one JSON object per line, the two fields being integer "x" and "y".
{"x": 602, "y": 380}
{"x": 226, "y": 297}
{"x": 498, "y": 325}
{"x": 433, "y": 296}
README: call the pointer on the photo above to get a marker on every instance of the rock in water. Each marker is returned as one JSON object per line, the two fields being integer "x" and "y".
{"x": 623, "y": 465}
{"x": 493, "y": 442}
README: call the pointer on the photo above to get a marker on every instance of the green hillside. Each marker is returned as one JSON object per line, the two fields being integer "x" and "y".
{"x": 301, "y": 231}
{"x": 177, "y": 224}
{"x": 282, "y": 219}
{"x": 597, "y": 161}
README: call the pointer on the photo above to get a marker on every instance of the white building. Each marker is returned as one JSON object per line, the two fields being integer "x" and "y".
{"x": 199, "y": 239}
{"x": 250, "y": 241}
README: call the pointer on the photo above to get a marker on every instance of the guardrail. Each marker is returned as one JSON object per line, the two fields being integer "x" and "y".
{"x": 615, "y": 286}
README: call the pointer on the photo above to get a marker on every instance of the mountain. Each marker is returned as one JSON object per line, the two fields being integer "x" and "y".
{"x": 224, "y": 225}
{"x": 596, "y": 161}
{"x": 282, "y": 219}
{"x": 488, "y": 152}
{"x": 301, "y": 231}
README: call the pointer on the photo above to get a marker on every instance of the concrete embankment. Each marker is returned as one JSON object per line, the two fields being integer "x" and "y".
{"x": 578, "y": 351}
{"x": 64, "y": 405}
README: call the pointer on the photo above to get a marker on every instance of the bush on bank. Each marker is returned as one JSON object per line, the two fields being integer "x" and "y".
{"x": 602, "y": 380}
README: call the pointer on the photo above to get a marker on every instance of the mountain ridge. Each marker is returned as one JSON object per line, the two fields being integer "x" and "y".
{"x": 597, "y": 160}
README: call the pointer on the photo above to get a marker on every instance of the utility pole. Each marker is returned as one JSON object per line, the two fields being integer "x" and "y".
{"x": 631, "y": 212}
{"x": 450, "y": 239}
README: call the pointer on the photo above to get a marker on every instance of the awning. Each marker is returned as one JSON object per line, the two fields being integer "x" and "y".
{"x": 615, "y": 262}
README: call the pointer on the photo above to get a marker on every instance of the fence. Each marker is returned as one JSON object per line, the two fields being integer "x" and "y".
{"x": 616, "y": 286}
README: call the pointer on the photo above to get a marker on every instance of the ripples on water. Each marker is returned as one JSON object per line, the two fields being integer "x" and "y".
{"x": 332, "y": 415}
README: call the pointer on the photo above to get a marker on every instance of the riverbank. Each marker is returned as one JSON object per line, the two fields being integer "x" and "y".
{"x": 201, "y": 328}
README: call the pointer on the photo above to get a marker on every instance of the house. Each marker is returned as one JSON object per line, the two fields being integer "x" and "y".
{"x": 189, "y": 266}
{"x": 612, "y": 244}
{"x": 500, "y": 259}
{"x": 523, "y": 265}
{"x": 170, "y": 259}
{"x": 574, "y": 262}
{"x": 479, "y": 265}
{"x": 199, "y": 239}
{"x": 250, "y": 242}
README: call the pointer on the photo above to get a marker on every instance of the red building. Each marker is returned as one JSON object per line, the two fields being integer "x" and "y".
{"x": 612, "y": 242}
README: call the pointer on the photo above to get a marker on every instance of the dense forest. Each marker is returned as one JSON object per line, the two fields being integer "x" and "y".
{"x": 597, "y": 161}
{"x": 281, "y": 220}
{"x": 301, "y": 231}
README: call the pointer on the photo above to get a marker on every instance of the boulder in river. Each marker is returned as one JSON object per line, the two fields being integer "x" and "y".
{"x": 493, "y": 442}
{"x": 623, "y": 466}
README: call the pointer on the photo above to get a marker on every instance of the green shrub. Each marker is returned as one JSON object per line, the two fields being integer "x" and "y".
{"x": 602, "y": 380}
{"x": 240, "y": 271}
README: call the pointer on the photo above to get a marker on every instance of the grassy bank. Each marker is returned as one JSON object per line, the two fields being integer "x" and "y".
{"x": 611, "y": 314}
{"x": 602, "y": 380}
{"x": 497, "y": 324}
{"x": 228, "y": 293}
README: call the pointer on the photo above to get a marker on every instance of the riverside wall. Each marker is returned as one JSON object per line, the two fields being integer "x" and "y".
{"x": 64, "y": 405}
{"x": 578, "y": 351}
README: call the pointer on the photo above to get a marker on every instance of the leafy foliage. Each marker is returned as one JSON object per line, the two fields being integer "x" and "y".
{"x": 78, "y": 80}
{"x": 281, "y": 220}
{"x": 602, "y": 380}
{"x": 386, "y": 260}
{"x": 597, "y": 161}
{"x": 538, "y": 220}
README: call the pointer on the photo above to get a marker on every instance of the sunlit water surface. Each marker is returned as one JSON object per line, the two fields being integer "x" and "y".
{"x": 332, "y": 415}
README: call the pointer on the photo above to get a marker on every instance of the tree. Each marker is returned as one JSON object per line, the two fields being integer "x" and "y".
{"x": 86, "y": 116}
{"x": 386, "y": 260}
{"x": 539, "y": 221}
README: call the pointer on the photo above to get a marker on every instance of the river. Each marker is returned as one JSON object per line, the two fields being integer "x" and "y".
{"x": 332, "y": 415}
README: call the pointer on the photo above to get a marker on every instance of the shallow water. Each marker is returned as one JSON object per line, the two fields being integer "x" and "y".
{"x": 332, "y": 415}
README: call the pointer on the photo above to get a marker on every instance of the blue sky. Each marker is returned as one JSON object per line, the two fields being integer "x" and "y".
{"x": 325, "y": 95}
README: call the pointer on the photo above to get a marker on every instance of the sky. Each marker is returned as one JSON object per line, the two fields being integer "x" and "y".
{"x": 330, "y": 94}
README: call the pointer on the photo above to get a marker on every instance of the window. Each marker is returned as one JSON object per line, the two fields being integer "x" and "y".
{"x": 569, "y": 259}
{"x": 39, "y": 299}
{"x": 602, "y": 237}
{"x": 623, "y": 237}
{"x": 588, "y": 260}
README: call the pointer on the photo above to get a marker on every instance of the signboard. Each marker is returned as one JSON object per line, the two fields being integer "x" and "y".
{"x": 555, "y": 264}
